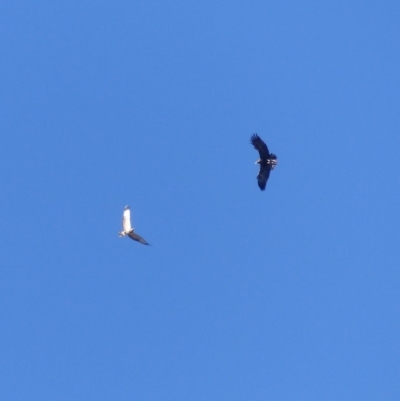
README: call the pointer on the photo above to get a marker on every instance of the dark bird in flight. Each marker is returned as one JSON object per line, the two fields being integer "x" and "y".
{"x": 128, "y": 229}
{"x": 267, "y": 161}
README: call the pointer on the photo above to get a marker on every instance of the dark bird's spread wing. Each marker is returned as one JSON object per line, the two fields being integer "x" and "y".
{"x": 138, "y": 238}
{"x": 260, "y": 145}
{"x": 263, "y": 176}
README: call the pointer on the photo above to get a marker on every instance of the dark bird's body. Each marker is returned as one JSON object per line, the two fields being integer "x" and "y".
{"x": 267, "y": 161}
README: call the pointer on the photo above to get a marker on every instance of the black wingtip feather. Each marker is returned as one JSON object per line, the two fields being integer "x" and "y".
{"x": 253, "y": 138}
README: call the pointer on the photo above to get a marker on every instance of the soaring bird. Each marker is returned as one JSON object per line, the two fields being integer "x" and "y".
{"x": 127, "y": 228}
{"x": 267, "y": 161}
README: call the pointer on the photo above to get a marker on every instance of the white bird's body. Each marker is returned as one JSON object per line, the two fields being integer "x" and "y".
{"x": 126, "y": 221}
{"x": 128, "y": 229}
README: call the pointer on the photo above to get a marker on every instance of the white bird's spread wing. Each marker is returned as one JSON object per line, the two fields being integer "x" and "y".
{"x": 126, "y": 221}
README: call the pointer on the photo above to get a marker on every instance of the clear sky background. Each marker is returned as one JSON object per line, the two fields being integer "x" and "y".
{"x": 287, "y": 294}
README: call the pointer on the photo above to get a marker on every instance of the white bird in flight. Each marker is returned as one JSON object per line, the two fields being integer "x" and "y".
{"x": 127, "y": 228}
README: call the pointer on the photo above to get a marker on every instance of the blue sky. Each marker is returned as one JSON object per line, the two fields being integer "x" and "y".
{"x": 287, "y": 294}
